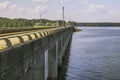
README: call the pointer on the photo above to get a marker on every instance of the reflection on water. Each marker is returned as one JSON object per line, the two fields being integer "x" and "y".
{"x": 94, "y": 55}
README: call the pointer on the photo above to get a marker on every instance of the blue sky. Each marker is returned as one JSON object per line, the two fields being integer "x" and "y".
{"x": 75, "y": 10}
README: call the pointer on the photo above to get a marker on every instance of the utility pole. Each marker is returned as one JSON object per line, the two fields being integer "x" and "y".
{"x": 40, "y": 19}
{"x": 69, "y": 21}
{"x": 63, "y": 17}
{"x": 63, "y": 13}
{"x": 40, "y": 16}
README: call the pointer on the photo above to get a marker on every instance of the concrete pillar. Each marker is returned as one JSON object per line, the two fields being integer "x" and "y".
{"x": 46, "y": 65}
{"x": 62, "y": 44}
{"x": 57, "y": 50}
{"x": 36, "y": 70}
{"x": 63, "y": 40}
{"x": 52, "y": 63}
{"x": 59, "y": 53}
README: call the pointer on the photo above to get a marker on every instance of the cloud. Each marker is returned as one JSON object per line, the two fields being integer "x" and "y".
{"x": 7, "y": 7}
{"x": 94, "y": 8}
{"x": 113, "y": 16}
{"x": 4, "y": 5}
{"x": 40, "y": 9}
{"x": 96, "y": 13}
{"x": 41, "y": 1}
{"x": 83, "y": 1}
{"x": 82, "y": 10}
{"x": 63, "y": 1}
{"x": 114, "y": 13}
{"x": 13, "y": 11}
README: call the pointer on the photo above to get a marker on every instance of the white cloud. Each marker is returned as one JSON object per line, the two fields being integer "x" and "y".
{"x": 113, "y": 16}
{"x": 40, "y": 9}
{"x": 83, "y": 1}
{"x": 13, "y": 11}
{"x": 83, "y": 10}
{"x": 41, "y": 1}
{"x": 94, "y": 8}
{"x": 7, "y": 7}
{"x": 4, "y": 5}
{"x": 96, "y": 13}
{"x": 63, "y": 1}
{"x": 22, "y": 10}
{"x": 114, "y": 13}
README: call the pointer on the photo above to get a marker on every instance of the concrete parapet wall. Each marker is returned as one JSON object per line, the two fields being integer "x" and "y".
{"x": 22, "y": 57}
{"x": 13, "y": 40}
{"x": 19, "y": 29}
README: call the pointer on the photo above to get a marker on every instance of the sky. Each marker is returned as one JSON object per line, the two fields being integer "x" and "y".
{"x": 75, "y": 10}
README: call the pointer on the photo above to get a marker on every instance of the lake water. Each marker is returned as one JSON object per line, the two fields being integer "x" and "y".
{"x": 94, "y": 54}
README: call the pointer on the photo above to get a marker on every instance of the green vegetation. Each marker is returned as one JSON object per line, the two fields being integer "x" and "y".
{"x": 6, "y": 23}
{"x": 21, "y": 23}
{"x": 45, "y": 22}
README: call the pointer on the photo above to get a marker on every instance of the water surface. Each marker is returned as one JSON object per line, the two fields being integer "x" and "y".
{"x": 94, "y": 54}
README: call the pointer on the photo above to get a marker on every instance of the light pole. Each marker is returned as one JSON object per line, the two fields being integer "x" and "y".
{"x": 69, "y": 21}
{"x": 63, "y": 13}
{"x": 63, "y": 17}
{"x": 40, "y": 19}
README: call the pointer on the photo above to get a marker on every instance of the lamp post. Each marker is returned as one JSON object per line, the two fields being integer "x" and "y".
{"x": 40, "y": 19}
{"x": 63, "y": 17}
{"x": 63, "y": 13}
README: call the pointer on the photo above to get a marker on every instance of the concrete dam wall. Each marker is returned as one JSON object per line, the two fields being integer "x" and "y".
{"x": 33, "y": 56}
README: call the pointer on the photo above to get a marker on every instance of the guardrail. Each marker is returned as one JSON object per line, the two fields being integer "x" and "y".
{"x": 16, "y": 39}
{"x": 4, "y": 30}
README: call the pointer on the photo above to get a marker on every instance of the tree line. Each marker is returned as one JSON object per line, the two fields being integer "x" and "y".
{"x": 106, "y": 24}
{"x": 6, "y": 22}
{"x": 19, "y": 22}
